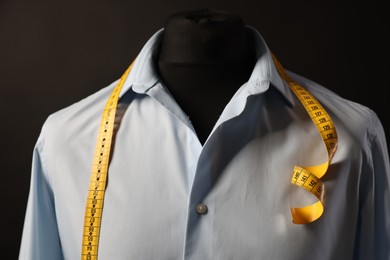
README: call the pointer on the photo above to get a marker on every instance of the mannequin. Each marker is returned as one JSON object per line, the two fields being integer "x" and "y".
{"x": 205, "y": 57}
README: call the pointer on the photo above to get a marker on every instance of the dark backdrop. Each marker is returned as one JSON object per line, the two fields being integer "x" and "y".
{"x": 54, "y": 53}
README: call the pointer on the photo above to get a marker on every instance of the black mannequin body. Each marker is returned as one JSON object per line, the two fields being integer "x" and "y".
{"x": 205, "y": 57}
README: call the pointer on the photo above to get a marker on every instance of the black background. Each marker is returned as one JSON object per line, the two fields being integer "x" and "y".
{"x": 54, "y": 53}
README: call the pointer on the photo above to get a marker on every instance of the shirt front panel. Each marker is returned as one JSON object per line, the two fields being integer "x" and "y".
{"x": 243, "y": 176}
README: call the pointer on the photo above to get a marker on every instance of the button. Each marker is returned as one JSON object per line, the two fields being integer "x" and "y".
{"x": 201, "y": 208}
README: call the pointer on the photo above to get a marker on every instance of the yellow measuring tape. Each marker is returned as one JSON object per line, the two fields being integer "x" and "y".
{"x": 307, "y": 178}
{"x": 97, "y": 185}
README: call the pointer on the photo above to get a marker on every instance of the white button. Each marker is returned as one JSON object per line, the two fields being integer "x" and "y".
{"x": 201, "y": 208}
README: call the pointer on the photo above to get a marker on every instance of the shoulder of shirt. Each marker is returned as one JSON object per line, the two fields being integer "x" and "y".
{"x": 344, "y": 110}
{"x": 75, "y": 117}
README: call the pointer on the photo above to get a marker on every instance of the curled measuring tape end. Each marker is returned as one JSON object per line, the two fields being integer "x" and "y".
{"x": 307, "y": 214}
{"x": 311, "y": 182}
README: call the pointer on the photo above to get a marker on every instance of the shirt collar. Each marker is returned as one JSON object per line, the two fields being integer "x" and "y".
{"x": 265, "y": 71}
{"x": 144, "y": 75}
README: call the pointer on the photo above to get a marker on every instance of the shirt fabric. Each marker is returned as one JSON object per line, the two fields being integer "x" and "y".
{"x": 160, "y": 171}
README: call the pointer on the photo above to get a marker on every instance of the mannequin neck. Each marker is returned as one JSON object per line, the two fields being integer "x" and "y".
{"x": 204, "y": 58}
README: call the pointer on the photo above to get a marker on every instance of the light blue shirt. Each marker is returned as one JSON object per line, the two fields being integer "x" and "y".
{"x": 160, "y": 171}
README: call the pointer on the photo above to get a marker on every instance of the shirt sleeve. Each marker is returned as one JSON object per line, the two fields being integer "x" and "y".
{"x": 40, "y": 239}
{"x": 373, "y": 232}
